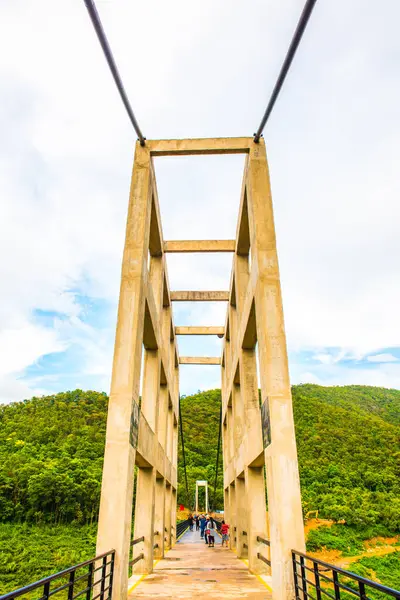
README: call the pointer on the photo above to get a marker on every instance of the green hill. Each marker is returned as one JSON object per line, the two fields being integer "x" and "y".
{"x": 349, "y": 450}
{"x": 51, "y": 456}
{"x": 51, "y": 453}
{"x": 349, "y": 453}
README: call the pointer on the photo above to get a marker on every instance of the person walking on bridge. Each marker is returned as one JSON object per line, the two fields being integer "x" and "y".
{"x": 211, "y": 527}
{"x": 225, "y": 533}
{"x": 190, "y": 519}
{"x": 203, "y": 523}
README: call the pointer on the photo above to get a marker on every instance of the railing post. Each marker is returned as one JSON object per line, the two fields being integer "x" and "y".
{"x": 111, "y": 578}
{"x": 361, "y": 589}
{"x": 46, "y": 590}
{"x": 336, "y": 584}
{"x": 317, "y": 580}
{"x": 89, "y": 581}
{"x": 296, "y": 584}
{"x": 303, "y": 578}
{"x": 103, "y": 578}
{"x": 71, "y": 585}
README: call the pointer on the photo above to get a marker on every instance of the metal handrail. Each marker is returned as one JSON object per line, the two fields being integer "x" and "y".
{"x": 46, "y": 581}
{"x": 135, "y": 560}
{"x": 261, "y": 557}
{"x": 137, "y": 541}
{"x": 263, "y": 541}
{"x": 334, "y": 580}
{"x": 181, "y": 527}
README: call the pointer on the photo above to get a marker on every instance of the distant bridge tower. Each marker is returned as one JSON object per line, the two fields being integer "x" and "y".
{"x": 202, "y": 483}
{"x": 256, "y": 436}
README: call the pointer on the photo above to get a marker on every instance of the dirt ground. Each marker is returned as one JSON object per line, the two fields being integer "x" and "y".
{"x": 378, "y": 546}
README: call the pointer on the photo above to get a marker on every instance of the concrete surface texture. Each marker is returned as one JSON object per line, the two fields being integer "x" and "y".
{"x": 193, "y": 570}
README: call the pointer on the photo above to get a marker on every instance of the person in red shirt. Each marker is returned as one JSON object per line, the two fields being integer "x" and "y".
{"x": 225, "y": 533}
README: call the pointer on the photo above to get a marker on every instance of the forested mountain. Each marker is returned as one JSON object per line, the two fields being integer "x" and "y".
{"x": 51, "y": 453}
{"x": 51, "y": 457}
{"x": 349, "y": 453}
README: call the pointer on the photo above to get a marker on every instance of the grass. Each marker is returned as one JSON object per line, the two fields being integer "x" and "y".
{"x": 348, "y": 539}
{"x": 383, "y": 569}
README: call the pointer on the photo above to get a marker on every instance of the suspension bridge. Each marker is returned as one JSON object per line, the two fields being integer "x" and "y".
{"x": 267, "y": 556}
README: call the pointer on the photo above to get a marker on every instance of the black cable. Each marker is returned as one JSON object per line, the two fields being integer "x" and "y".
{"x": 298, "y": 34}
{"x": 183, "y": 453}
{"x": 218, "y": 454}
{"x": 94, "y": 15}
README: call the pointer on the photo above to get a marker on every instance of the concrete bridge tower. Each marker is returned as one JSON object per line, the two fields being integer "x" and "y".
{"x": 259, "y": 445}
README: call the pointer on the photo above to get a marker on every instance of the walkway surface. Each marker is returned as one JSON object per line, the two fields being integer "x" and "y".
{"x": 193, "y": 570}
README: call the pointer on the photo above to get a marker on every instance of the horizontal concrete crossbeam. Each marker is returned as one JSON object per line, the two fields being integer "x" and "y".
{"x": 199, "y": 296}
{"x": 199, "y": 360}
{"x": 200, "y": 146}
{"x": 200, "y": 246}
{"x": 200, "y": 330}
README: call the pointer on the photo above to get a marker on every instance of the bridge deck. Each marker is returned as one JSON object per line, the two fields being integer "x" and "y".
{"x": 193, "y": 570}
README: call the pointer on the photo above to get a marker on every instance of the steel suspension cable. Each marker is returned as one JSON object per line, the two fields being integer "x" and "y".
{"x": 94, "y": 16}
{"x": 218, "y": 455}
{"x": 298, "y": 34}
{"x": 183, "y": 453}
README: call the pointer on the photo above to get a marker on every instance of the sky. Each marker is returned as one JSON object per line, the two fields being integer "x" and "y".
{"x": 203, "y": 68}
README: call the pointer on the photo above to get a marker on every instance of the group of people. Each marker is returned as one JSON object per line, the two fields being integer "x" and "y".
{"x": 208, "y": 529}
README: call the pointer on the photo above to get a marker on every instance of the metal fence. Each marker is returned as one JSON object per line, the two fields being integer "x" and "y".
{"x": 318, "y": 580}
{"x": 181, "y": 528}
{"x": 92, "y": 580}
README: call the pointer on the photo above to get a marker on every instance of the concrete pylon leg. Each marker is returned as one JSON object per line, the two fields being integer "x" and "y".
{"x": 241, "y": 518}
{"x": 168, "y": 516}
{"x": 144, "y": 519}
{"x": 232, "y": 513}
{"x": 114, "y": 529}
{"x": 173, "y": 516}
{"x": 283, "y": 484}
{"x": 159, "y": 518}
{"x": 227, "y": 511}
{"x": 257, "y": 523}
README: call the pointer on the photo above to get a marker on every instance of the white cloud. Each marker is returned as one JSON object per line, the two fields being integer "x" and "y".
{"x": 13, "y": 390}
{"x": 382, "y": 358}
{"x": 384, "y": 375}
{"x": 23, "y": 345}
{"x": 206, "y": 70}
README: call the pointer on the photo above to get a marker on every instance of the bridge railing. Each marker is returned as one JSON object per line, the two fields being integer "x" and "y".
{"x": 95, "y": 583}
{"x": 181, "y": 528}
{"x": 261, "y": 556}
{"x": 317, "y": 580}
{"x": 135, "y": 559}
